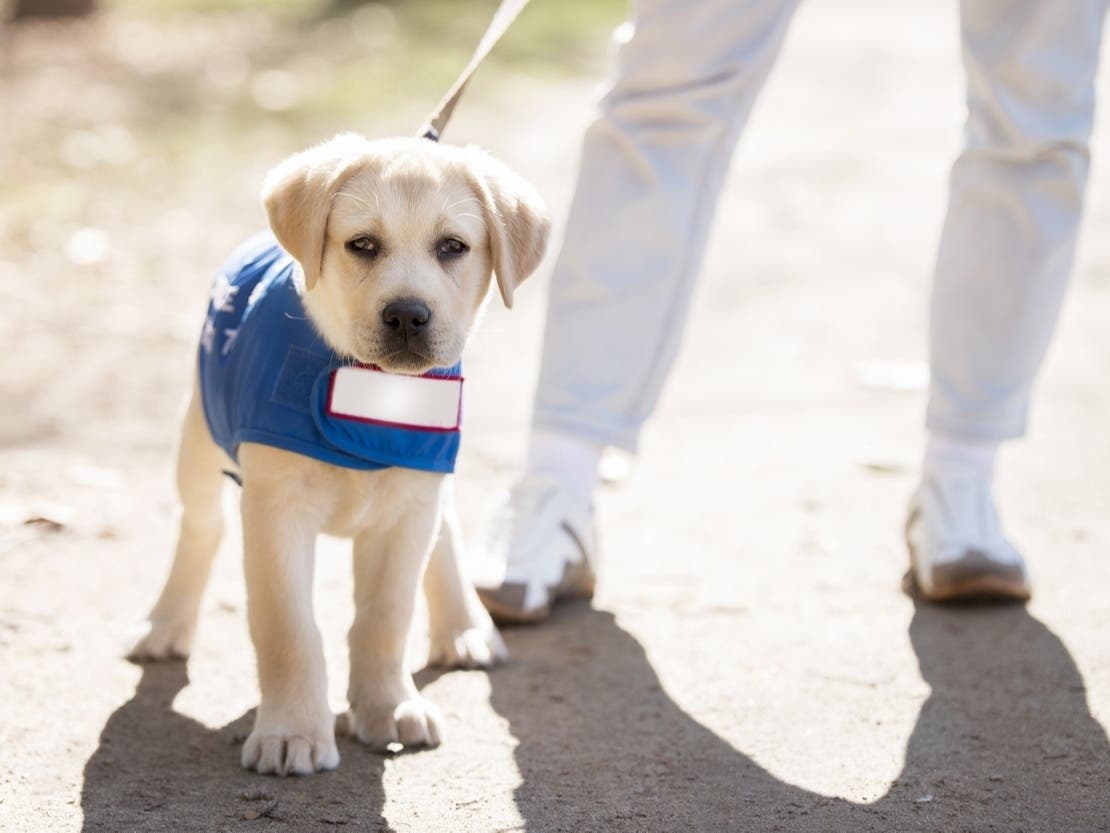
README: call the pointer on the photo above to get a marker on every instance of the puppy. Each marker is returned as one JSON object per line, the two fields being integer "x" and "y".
{"x": 329, "y": 382}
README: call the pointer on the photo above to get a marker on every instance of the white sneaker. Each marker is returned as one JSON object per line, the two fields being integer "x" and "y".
{"x": 957, "y": 549}
{"x": 545, "y": 538}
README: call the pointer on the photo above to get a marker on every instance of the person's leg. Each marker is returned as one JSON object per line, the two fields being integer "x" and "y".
{"x": 651, "y": 170}
{"x": 1016, "y": 196}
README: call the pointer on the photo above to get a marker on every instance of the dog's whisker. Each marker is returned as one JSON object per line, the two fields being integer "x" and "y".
{"x": 477, "y": 217}
{"x": 354, "y": 198}
{"x": 458, "y": 202}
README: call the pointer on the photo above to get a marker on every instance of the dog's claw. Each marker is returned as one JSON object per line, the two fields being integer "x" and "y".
{"x": 477, "y": 647}
{"x": 412, "y": 723}
{"x": 163, "y": 640}
{"x": 278, "y": 753}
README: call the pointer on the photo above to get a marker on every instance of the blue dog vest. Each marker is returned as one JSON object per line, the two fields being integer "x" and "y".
{"x": 267, "y": 376}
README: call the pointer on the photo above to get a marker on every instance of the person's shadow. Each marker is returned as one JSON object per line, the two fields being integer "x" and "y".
{"x": 158, "y": 770}
{"x": 1005, "y": 741}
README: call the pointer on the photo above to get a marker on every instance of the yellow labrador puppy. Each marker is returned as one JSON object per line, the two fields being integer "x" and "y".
{"x": 328, "y": 381}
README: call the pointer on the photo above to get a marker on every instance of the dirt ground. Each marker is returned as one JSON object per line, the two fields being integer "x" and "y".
{"x": 750, "y": 663}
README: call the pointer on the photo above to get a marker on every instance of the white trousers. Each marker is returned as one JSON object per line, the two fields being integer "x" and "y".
{"x": 654, "y": 160}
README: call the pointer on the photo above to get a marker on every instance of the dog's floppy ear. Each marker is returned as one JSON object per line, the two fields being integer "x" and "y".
{"x": 516, "y": 220}
{"x": 298, "y": 193}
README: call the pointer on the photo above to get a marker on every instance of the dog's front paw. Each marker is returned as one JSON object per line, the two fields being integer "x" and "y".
{"x": 480, "y": 646}
{"x": 164, "y": 639}
{"x": 411, "y": 723}
{"x": 290, "y": 752}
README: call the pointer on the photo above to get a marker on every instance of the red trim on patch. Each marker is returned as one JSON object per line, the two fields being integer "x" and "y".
{"x": 386, "y": 423}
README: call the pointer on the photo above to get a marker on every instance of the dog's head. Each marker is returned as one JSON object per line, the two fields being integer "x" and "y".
{"x": 398, "y": 239}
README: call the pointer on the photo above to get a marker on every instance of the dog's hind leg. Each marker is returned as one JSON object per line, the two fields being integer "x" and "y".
{"x": 462, "y": 635}
{"x": 200, "y": 464}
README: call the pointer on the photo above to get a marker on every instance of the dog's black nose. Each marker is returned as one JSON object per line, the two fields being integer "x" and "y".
{"x": 406, "y": 316}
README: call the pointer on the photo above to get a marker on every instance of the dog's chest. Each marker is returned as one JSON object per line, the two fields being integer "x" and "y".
{"x": 363, "y": 501}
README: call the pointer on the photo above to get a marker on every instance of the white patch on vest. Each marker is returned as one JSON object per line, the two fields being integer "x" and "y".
{"x": 208, "y": 335}
{"x": 256, "y": 293}
{"x": 229, "y": 340}
{"x": 418, "y": 402}
{"x": 222, "y": 295}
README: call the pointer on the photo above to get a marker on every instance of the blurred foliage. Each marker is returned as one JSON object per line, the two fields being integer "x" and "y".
{"x": 553, "y": 34}
{"x": 52, "y": 8}
{"x": 300, "y": 63}
{"x": 147, "y": 126}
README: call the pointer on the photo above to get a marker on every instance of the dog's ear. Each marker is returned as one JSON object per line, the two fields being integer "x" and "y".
{"x": 516, "y": 220}
{"x": 298, "y": 194}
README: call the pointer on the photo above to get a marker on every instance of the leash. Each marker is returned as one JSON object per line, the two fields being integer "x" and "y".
{"x": 502, "y": 19}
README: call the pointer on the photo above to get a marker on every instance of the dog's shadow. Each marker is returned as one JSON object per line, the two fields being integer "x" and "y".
{"x": 1004, "y": 742}
{"x": 158, "y": 770}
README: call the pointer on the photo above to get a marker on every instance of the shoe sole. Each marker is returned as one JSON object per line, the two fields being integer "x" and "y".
{"x": 502, "y": 615}
{"x": 983, "y": 588}
{"x": 507, "y": 615}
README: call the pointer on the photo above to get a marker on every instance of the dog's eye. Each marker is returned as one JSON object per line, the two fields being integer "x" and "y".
{"x": 366, "y": 246}
{"x": 450, "y": 248}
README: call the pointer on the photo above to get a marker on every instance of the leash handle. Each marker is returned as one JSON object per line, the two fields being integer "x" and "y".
{"x": 502, "y": 19}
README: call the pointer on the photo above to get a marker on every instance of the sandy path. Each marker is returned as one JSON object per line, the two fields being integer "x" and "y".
{"x": 749, "y": 664}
